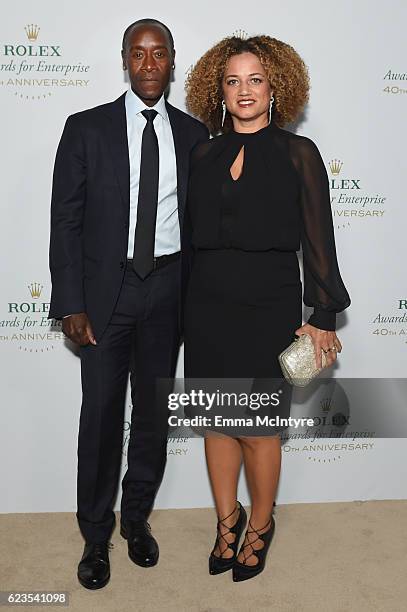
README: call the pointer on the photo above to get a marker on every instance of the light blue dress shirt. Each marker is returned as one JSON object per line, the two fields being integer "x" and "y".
{"x": 167, "y": 231}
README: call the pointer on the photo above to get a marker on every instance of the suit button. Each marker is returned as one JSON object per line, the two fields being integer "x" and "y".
{"x": 121, "y": 265}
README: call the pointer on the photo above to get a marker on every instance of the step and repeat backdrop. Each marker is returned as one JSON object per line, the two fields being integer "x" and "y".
{"x": 57, "y": 60}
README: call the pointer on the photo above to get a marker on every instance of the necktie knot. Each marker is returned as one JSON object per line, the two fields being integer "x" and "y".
{"x": 149, "y": 115}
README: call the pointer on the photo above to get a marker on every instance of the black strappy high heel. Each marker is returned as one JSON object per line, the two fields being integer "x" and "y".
{"x": 242, "y": 571}
{"x": 220, "y": 564}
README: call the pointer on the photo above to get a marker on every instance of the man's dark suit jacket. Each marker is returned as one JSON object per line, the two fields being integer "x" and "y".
{"x": 90, "y": 208}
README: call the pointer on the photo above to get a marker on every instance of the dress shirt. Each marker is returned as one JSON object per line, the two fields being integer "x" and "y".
{"x": 167, "y": 233}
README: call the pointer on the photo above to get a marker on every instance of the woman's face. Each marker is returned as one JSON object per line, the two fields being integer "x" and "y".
{"x": 246, "y": 89}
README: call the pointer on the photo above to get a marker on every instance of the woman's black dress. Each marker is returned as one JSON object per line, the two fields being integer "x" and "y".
{"x": 244, "y": 298}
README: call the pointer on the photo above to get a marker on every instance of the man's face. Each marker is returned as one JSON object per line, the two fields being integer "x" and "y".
{"x": 148, "y": 58}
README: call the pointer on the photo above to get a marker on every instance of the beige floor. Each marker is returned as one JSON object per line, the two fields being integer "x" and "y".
{"x": 333, "y": 557}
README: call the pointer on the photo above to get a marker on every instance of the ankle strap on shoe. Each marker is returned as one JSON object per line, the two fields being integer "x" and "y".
{"x": 220, "y": 521}
{"x": 221, "y": 536}
{"x": 253, "y": 530}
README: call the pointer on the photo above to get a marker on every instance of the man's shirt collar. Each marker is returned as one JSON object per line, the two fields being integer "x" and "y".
{"x": 135, "y": 105}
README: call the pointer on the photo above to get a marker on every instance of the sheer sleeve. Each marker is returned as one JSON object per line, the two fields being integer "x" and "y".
{"x": 199, "y": 151}
{"x": 323, "y": 285}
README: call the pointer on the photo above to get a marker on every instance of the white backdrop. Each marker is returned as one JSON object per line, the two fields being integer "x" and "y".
{"x": 356, "y": 57}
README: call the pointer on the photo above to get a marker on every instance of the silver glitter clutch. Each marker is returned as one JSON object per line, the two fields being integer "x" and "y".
{"x": 297, "y": 361}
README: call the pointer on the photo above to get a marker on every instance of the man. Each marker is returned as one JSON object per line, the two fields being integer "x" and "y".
{"x": 118, "y": 199}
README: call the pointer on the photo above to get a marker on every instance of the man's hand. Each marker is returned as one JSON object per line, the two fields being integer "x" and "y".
{"x": 78, "y": 329}
{"x": 323, "y": 341}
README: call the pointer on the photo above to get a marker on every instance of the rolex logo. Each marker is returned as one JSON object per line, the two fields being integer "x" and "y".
{"x": 35, "y": 290}
{"x": 335, "y": 166}
{"x": 240, "y": 34}
{"x": 189, "y": 70}
{"x": 32, "y": 32}
{"x": 326, "y": 404}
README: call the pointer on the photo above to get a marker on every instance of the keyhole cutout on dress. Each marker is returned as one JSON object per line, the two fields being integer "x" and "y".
{"x": 236, "y": 169}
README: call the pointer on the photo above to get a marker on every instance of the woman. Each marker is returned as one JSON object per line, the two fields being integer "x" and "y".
{"x": 256, "y": 193}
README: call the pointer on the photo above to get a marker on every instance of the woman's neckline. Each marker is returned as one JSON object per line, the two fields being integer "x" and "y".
{"x": 257, "y": 133}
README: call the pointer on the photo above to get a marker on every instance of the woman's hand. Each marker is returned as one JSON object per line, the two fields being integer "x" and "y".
{"x": 323, "y": 341}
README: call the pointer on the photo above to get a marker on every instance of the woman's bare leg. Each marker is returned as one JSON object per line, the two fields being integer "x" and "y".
{"x": 224, "y": 459}
{"x": 262, "y": 461}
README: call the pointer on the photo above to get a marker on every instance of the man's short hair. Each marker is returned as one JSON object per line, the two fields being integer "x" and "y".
{"x": 148, "y": 21}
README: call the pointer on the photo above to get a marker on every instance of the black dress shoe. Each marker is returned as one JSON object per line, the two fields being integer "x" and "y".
{"x": 94, "y": 567}
{"x": 143, "y": 548}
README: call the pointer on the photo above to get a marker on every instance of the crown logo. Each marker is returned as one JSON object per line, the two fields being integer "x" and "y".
{"x": 35, "y": 290}
{"x": 326, "y": 404}
{"x": 189, "y": 70}
{"x": 335, "y": 165}
{"x": 240, "y": 34}
{"x": 32, "y": 32}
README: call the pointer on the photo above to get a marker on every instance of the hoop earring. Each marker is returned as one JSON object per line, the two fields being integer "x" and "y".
{"x": 270, "y": 108}
{"x": 223, "y": 112}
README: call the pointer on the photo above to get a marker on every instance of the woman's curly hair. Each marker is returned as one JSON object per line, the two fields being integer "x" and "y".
{"x": 285, "y": 70}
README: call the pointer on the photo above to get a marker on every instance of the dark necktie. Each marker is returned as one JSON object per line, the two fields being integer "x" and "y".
{"x": 144, "y": 237}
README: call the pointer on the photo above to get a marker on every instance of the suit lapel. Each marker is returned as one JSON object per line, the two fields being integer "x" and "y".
{"x": 182, "y": 157}
{"x": 117, "y": 138}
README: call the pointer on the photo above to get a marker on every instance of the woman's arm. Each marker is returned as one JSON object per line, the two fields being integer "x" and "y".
{"x": 324, "y": 289}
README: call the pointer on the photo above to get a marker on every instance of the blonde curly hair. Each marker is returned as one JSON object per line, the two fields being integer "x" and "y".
{"x": 285, "y": 70}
